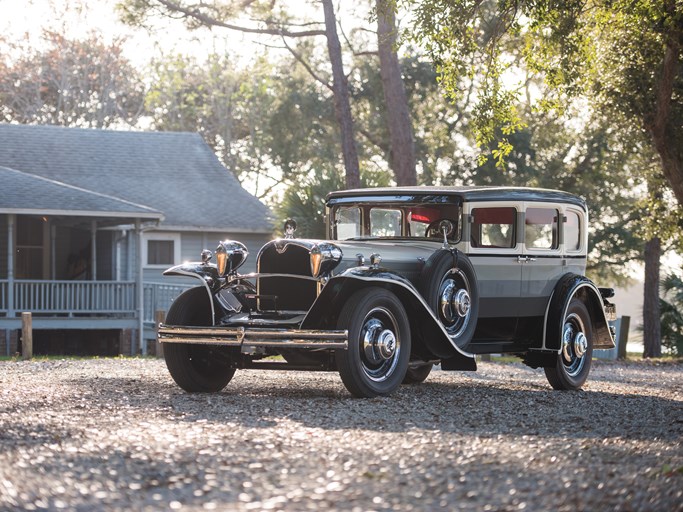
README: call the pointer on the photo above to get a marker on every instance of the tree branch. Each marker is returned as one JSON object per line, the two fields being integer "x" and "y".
{"x": 213, "y": 22}
{"x": 308, "y": 68}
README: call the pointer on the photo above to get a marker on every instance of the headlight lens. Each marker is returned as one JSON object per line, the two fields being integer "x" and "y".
{"x": 230, "y": 255}
{"x": 324, "y": 258}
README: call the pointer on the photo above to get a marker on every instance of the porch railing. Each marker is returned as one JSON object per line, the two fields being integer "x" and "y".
{"x": 159, "y": 296}
{"x": 69, "y": 296}
{"x": 87, "y": 297}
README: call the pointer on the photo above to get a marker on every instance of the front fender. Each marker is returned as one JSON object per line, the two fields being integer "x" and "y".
{"x": 206, "y": 273}
{"x": 326, "y": 308}
{"x": 569, "y": 287}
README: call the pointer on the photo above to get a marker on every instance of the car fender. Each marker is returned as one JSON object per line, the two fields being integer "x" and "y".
{"x": 206, "y": 273}
{"x": 335, "y": 293}
{"x": 567, "y": 288}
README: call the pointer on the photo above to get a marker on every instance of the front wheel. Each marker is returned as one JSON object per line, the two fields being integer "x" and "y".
{"x": 378, "y": 352}
{"x": 574, "y": 360}
{"x": 196, "y": 368}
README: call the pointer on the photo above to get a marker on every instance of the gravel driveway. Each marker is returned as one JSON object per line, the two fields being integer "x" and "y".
{"x": 117, "y": 434}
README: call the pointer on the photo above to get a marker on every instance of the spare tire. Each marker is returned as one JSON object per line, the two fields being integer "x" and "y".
{"x": 449, "y": 285}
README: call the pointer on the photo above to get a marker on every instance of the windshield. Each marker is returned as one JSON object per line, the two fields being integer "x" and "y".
{"x": 393, "y": 221}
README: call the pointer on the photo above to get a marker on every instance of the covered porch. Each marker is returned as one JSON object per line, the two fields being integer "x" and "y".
{"x": 71, "y": 257}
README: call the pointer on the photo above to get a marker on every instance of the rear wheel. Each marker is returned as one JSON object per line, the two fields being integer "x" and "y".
{"x": 417, "y": 374}
{"x": 574, "y": 360}
{"x": 376, "y": 360}
{"x": 196, "y": 368}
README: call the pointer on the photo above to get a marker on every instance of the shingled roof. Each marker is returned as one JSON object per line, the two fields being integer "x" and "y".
{"x": 29, "y": 194}
{"x": 174, "y": 173}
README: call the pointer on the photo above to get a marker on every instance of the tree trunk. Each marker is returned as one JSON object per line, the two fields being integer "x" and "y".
{"x": 402, "y": 152}
{"x": 342, "y": 106}
{"x": 661, "y": 126}
{"x": 652, "y": 338}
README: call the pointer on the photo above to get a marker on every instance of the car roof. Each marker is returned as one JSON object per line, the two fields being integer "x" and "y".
{"x": 461, "y": 194}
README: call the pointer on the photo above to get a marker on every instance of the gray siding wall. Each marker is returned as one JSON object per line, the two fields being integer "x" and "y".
{"x": 192, "y": 244}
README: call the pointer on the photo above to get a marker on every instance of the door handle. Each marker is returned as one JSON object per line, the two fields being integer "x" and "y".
{"x": 524, "y": 259}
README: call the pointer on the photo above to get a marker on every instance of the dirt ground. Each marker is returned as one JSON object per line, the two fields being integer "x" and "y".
{"x": 118, "y": 434}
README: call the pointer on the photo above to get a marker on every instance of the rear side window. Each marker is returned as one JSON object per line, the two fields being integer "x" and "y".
{"x": 493, "y": 227}
{"x": 572, "y": 232}
{"x": 540, "y": 230}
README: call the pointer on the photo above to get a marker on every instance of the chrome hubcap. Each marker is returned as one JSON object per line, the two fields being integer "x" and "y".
{"x": 580, "y": 344}
{"x": 574, "y": 344}
{"x": 455, "y": 303}
{"x": 380, "y": 344}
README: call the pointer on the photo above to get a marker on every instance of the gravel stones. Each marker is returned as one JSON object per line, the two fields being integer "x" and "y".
{"x": 118, "y": 434}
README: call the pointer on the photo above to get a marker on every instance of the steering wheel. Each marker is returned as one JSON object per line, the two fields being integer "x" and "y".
{"x": 436, "y": 228}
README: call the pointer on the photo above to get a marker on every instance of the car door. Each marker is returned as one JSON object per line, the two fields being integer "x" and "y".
{"x": 494, "y": 249}
{"x": 542, "y": 261}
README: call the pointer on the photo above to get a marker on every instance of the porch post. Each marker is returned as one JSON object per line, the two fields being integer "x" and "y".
{"x": 10, "y": 264}
{"x": 10, "y": 273}
{"x": 139, "y": 286}
{"x": 53, "y": 251}
{"x": 93, "y": 250}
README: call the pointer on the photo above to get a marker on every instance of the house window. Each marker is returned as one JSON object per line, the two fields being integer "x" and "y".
{"x": 160, "y": 252}
{"x": 161, "y": 249}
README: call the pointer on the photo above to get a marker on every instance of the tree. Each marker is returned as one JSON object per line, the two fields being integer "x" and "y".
{"x": 79, "y": 82}
{"x": 266, "y": 21}
{"x": 624, "y": 55}
{"x": 340, "y": 87}
{"x": 672, "y": 313}
{"x": 402, "y": 151}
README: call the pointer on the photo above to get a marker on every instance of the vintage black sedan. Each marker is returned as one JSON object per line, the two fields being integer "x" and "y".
{"x": 408, "y": 278}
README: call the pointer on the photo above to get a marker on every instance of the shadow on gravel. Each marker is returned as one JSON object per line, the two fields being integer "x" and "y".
{"x": 483, "y": 409}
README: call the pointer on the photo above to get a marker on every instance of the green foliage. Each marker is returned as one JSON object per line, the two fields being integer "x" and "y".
{"x": 611, "y": 51}
{"x": 672, "y": 313}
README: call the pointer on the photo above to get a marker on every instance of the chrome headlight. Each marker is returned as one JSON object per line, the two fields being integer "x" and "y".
{"x": 230, "y": 255}
{"x": 324, "y": 258}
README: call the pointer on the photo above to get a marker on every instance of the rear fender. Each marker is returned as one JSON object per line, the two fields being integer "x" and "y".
{"x": 325, "y": 310}
{"x": 569, "y": 287}
{"x": 206, "y": 273}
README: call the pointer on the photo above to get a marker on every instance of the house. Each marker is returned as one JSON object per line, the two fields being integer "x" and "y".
{"x": 89, "y": 219}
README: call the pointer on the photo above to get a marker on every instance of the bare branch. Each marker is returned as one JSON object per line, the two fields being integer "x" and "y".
{"x": 213, "y": 22}
{"x": 308, "y": 68}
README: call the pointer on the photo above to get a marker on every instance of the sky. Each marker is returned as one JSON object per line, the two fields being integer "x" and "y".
{"x": 25, "y": 19}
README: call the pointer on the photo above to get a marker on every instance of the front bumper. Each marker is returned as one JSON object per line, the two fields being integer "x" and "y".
{"x": 254, "y": 337}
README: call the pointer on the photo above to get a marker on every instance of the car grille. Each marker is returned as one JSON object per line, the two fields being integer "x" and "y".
{"x": 285, "y": 293}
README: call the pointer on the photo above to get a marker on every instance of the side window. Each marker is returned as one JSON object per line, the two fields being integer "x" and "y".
{"x": 348, "y": 223}
{"x": 493, "y": 227}
{"x": 572, "y": 232}
{"x": 540, "y": 230}
{"x": 385, "y": 222}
